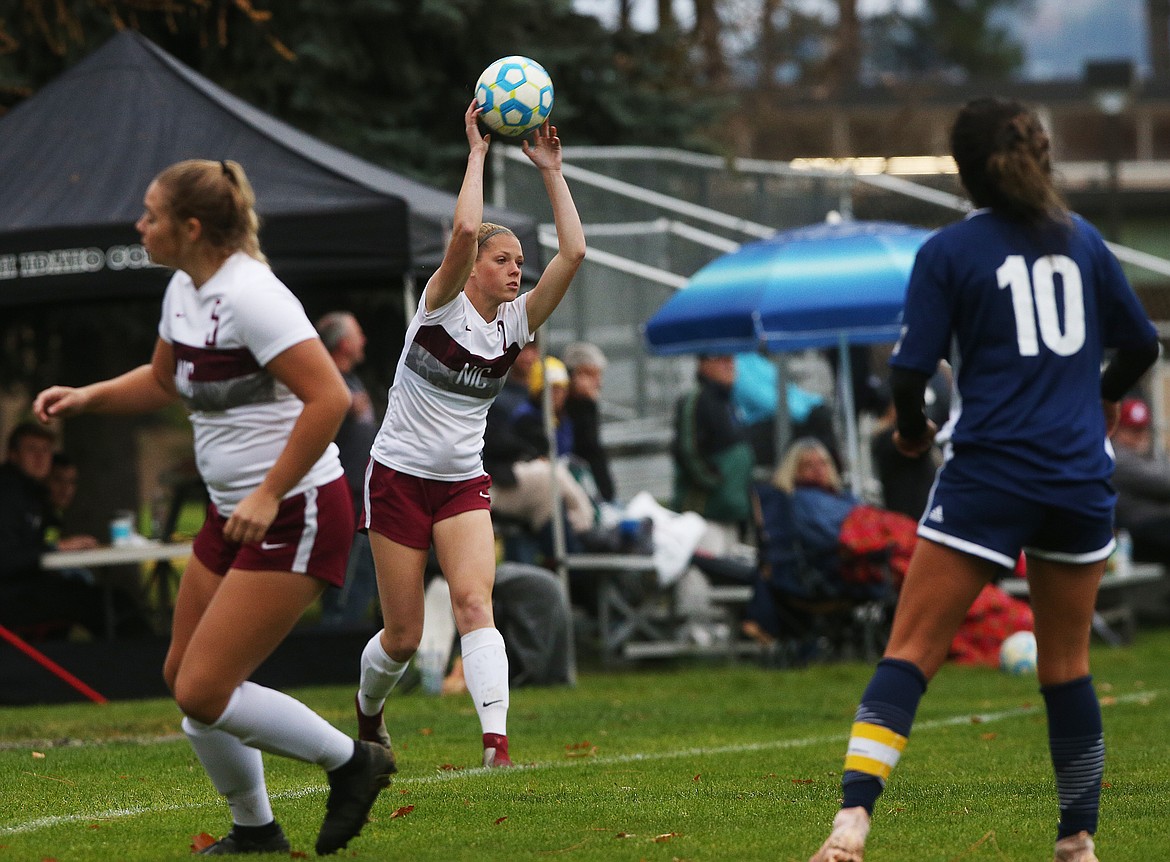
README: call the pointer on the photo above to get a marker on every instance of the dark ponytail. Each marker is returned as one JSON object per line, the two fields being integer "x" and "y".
{"x": 1003, "y": 157}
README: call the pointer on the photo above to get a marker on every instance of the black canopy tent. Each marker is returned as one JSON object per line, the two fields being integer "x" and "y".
{"x": 76, "y": 158}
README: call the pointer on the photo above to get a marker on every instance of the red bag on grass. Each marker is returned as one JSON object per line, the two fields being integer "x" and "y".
{"x": 992, "y": 617}
{"x": 867, "y": 534}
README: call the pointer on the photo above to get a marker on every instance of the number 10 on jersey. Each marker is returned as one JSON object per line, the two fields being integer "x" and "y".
{"x": 1034, "y": 303}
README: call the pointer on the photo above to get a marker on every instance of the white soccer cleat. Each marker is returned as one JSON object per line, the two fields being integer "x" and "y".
{"x": 1076, "y": 848}
{"x": 846, "y": 843}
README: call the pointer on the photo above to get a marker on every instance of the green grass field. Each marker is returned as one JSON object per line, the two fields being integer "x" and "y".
{"x": 709, "y": 762}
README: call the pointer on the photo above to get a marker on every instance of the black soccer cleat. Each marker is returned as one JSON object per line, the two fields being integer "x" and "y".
{"x": 352, "y": 791}
{"x": 239, "y": 841}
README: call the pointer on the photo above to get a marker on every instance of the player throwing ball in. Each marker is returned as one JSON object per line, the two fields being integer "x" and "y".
{"x": 265, "y": 401}
{"x": 1031, "y": 298}
{"x": 425, "y": 483}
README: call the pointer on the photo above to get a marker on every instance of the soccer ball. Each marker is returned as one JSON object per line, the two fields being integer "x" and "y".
{"x": 516, "y": 95}
{"x": 1017, "y": 654}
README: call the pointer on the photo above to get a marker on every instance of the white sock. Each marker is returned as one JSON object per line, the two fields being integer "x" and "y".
{"x": 485, "y": 670}
{"x": 379, "y": 675}
{"x": 271, "y": 721}
{"x": 236, "y": 771}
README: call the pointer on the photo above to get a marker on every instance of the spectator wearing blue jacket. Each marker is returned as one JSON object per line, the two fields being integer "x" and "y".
{"x": 755, "y": 396}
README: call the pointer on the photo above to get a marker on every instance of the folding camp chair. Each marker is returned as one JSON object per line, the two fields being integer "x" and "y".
{"x": 802, "y": 601}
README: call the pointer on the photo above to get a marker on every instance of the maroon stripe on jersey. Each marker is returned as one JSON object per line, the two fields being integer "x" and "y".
{"x": 210, "y": 365}
{"x": 436, "y": 341}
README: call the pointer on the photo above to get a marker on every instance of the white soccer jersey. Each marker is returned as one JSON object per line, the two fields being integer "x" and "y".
{"x": 223, "y": 335}
{"x": 452, "y": 367}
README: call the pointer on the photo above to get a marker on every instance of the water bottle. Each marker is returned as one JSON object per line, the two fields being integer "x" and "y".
{"x": 121, "y": 528}
{"x": 1124, "y": 553}
{"x": 431, "y": 668}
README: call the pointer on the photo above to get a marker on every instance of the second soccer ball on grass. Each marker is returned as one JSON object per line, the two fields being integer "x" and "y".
{"x": 1017, "y": 654}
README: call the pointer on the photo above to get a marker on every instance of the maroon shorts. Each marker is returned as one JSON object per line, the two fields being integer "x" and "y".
{"x": 405, "y": 508}
{"x": 312, "y": 535}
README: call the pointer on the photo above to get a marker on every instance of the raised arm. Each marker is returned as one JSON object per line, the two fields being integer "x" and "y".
{"x": 459, "y": 257}
{"x": 545, "y": 153}
{"x": 145, "y": 388}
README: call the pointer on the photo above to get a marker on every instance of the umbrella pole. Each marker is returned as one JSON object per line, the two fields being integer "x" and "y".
{"x": 782, "y": 432}
{"x": 852, "y": 443}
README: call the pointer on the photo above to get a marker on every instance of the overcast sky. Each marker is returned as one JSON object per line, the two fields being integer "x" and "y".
{"x": 1058, "y": 35}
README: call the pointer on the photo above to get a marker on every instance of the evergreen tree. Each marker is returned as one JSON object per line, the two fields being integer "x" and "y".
{"x": 954, "y": 40}
{"x": 389, "y": 79}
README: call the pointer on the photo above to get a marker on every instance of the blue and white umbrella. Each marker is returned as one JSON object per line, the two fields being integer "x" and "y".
{"x": 805, "y": 287}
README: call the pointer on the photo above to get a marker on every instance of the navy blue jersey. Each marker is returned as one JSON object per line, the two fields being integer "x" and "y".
{"x": 1030, "y": 315}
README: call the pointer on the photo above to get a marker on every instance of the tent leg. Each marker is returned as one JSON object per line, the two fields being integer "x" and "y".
{"x": 560, "y": 541}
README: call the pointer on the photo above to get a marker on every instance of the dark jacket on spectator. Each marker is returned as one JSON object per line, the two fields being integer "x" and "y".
{"x": 502, "y": 445}
{"x": 586, "y": 423}
{"x": 23, "y": 508}
{"x": 713, "y": 459}
{"x": 1143, "y": 489}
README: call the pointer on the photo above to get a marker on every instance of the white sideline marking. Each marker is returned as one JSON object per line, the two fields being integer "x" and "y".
{"x": 159, "y": 739}
{"x": 451, "y": 775}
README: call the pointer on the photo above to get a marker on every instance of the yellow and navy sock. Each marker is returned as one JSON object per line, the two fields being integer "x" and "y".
{"x": 880, "y": 730}
{"x": 1077, "y": 744}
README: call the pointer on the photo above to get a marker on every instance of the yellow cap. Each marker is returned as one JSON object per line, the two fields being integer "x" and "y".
{"x": 558, "y": 375}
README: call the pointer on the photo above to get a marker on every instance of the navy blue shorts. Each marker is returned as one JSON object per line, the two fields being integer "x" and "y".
{"x": 996, "y": 525}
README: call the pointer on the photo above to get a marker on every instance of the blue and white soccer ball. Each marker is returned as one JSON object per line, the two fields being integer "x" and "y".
{"x": 516, "y": 95}
{"x": 1017, "y": 654}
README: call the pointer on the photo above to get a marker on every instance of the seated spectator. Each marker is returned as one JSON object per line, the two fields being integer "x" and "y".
{"x": 586, "y": 364}
{"x": 755, "y": 395}
{"x": 528, "y": 416}
{"x": 502, "y": 448}
{"x": 837, "y": 532}
{"x": 350, "y": 605}
{"x": 1142, "y": 483}
{"x": 62, "y": 485}
{"x": 34, "y": 602}
{"x": 713, "y": 459}
{"x": 821, "y": 550}
{"x": 528, "y": 425}
{"x": 515, "y": 455}
{"x": 820, "y": 503}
